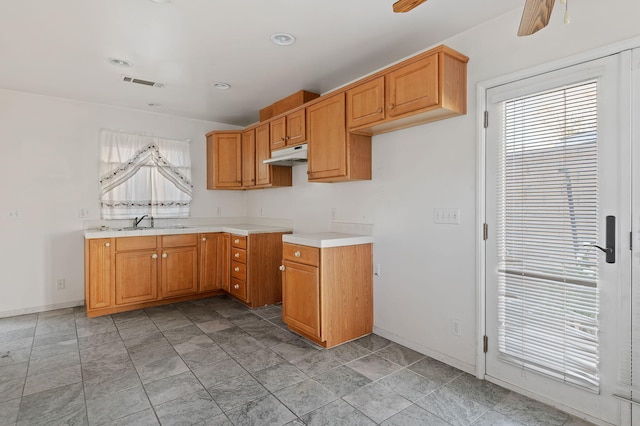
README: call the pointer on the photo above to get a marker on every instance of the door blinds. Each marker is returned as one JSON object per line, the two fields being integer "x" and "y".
{"x": 547, "y": 224}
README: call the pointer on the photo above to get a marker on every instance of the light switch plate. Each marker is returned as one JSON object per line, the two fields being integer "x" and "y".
{"x": 446, "y": 216}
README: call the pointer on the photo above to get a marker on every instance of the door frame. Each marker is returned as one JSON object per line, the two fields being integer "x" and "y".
{"x": 481, "y": 187}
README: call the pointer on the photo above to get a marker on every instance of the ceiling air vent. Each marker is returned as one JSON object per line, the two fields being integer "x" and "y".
{"x": 128, "y": 79}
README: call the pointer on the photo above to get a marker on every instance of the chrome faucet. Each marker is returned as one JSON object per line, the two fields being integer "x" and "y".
{"x": 137, "y": 221}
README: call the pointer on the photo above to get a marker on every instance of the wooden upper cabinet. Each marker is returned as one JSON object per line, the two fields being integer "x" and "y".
{"x": 413, "y": 87}
{"x": 249, "y": 158}
{"x": 278, "y": 131}
{"x": 224, "y": 160}
{"x": 365, "y": 103}
{"x": 296, "y": 128}
{"x": 263, "y": 152}
{"x": 334, "y": 154}
{"x": 428, "y": 87}
{"x": 288, "y": 130}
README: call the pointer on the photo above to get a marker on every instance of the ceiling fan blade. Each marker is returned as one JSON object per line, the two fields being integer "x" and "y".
{"x": 406, "y": 5}
{"x": 535, "y": 17}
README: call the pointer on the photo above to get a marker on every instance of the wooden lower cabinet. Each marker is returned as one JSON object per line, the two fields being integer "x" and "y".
{"x": 214, "y": 264}
{"x": 301, "y": 296}
{"x": 127, "y": 273}
{"x": 255, "y": 279}
{"x": 328, "y": 292}
{"x": 136, "y": 276}
{"x": 99, "y": 272}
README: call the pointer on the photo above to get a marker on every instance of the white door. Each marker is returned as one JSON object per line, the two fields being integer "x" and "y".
{"x": 557, "y": 176}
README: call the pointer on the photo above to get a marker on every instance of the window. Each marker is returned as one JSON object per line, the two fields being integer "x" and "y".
{"x": 144, "y": 175}
{"x": 547, "y": 225}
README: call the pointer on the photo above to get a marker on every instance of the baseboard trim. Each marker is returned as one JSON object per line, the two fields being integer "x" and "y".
{"x": 467, "y": 368}
{"x": 44, "y": 308}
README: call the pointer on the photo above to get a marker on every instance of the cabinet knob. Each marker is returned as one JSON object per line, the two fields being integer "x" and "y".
{"x": 107, "y": 244}
{"x": 164, "y": 255}
{"x": 154, "y": 256}
{"x": 391, "y": 106}
{"x": 236, "y": 241}
{"x": 236, "y": 269}
{"x": 237, "y": 255}
{"x": 296, "y": 254}
{"x": 379, "y": 110}
{"x": 236, "y": 286}
{"x": 281, "y": 267}
{"x": 204, "y": 238}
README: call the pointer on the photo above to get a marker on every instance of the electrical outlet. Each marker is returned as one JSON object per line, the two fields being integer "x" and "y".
{"x": 15, "y": 214}
{"x": 83, "y": 213}
{"x": 334, "y": 213}
{"x": 60, "y": 283}
{"x": 261, "y": 211}
{"x": 376, "y": 270}
{"x": 219, "y": 211}
{"x": 456, "y": 329}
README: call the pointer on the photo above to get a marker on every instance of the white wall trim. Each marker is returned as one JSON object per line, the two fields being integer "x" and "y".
{"x": 44, "y": 308}
{"x": 460, "y": 365}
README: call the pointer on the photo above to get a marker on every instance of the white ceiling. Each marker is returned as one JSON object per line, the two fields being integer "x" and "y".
{"x": 60, "y": 48}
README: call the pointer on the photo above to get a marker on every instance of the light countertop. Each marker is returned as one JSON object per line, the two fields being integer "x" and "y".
{"x": 327, "y": 239}
{"x": 236, "y": 229}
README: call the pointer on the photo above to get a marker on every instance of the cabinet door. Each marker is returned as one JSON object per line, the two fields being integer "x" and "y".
{"x": 301, "y": 297}
{"x": 327, "y": 138}
{"x": 263, "y": 152}
{"x": 249, "y": 158}
{"x": 278, "y": 130}
{"x": 296, "y": 128}
{"x": 210, "y": 274}
{"x": 227, "y": 160}
{"x": 179, "y": 271}
{"x": 99, "y": 273}
{"x": 413, "y": 87}
{"x": 136, "y": 276}
{"x": 365, "y": 103}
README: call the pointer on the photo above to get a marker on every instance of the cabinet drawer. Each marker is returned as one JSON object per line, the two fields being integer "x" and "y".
{"x": 239, "y": 270}
{"x": 239, "y": 255}
{"x": 180, "y": 240}
{"x": 135, "y": 243}
{"x": 238, "y": 289}
{"x": 301, "y": 254}
{"x": 239, "y": 241}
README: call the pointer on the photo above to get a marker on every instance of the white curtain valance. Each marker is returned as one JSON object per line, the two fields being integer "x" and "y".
{"x": 144, "y": 175}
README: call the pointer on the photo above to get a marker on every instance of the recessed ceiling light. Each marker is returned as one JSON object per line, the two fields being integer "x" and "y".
{"x": 120, "y": 62}
{"x": 221, "y": 86}
{"x": 283, "y": 39}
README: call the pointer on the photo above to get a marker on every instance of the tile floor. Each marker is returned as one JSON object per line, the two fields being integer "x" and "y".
{"x": 215, "y": 362}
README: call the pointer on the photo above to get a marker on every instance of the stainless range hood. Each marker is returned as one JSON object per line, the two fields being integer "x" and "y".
{"x": 288, "y": 156}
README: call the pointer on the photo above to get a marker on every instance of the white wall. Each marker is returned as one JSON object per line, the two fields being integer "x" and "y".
{"x": 49, "y": 171}
{"x": 428, "y": 270}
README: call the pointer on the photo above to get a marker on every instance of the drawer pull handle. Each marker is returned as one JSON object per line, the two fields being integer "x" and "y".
{"x": 282, "y": 268}
{"x": 296, "y": 254}
{"x": 107, "y": 244}
{"x": 236, "y": 241}
{"x": 236, "y": 269}
{"x": 164, "y": 255}
{"x": 154, "y": 256}
{"x": 204, "y": 239}
{"x": 236, "y": 286}
{"x": 237, "y": 255}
